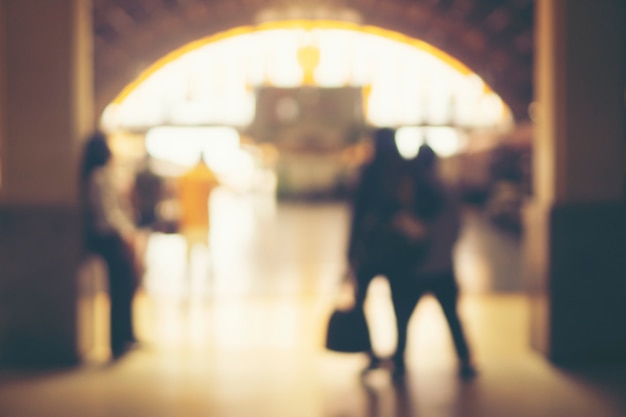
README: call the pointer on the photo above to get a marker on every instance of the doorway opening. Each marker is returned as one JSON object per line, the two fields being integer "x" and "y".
{"x": 280, "y": 113}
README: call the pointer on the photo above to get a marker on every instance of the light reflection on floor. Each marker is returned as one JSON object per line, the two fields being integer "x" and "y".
{"x": 247, "y": 290}
{"x": 240, "y": 333}
{"x": 266, "y": 260}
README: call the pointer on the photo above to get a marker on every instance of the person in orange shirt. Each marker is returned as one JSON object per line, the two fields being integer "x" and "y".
{"x": 194, "y": 191}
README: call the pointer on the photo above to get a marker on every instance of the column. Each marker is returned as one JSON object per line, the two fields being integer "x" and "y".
{"x": 46, "y": 87}
{"x": 575, "y": 245}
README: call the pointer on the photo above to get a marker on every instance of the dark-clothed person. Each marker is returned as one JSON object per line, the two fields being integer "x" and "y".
{"x": 438, "y": 207}
{"x": 109, "y": 232}
{"x": 148, "y": 194}
{"x": 405, "y": 224}
{"x": 386, "y": 234}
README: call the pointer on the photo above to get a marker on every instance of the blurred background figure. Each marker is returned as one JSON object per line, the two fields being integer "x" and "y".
{"x": 194, "y": 192}
{"x": 110, "y": 233}
{"x": 148, "y": 192}
{"x": 438, "y": 207}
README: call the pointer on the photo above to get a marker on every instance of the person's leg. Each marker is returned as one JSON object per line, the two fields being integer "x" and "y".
{"x": 446, "y": 291}
{"x": 109, "y": 252}
{"x": 189, "y": 243}
{"x": 363, "y": 278}
{"x": 405, "y": 294}
{"x": 121, "y": 269}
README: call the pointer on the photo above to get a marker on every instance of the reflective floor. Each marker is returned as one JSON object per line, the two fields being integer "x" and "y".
{"x": 239, "y": 332}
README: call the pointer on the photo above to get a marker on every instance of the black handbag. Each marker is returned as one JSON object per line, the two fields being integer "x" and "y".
{"x": 348, "y": 332}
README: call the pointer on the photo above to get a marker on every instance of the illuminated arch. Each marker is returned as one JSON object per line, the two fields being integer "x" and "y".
{"x": 306, "y": 25}
{"x": 294, "y": 24}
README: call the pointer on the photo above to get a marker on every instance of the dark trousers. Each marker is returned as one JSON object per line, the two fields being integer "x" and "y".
{"x": 120, "y": 263}
{"x": 406, "y": 291}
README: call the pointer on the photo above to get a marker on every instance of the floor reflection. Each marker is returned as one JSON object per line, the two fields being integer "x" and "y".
{"x": 240, "y": 331}
{"x": 266, "y": 261}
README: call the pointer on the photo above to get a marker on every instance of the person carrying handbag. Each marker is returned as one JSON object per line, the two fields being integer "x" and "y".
{"x": 387, "y": 236}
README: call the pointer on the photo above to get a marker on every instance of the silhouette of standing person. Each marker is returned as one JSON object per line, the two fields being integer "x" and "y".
{"x": 437, "y": 207}
{"x": 194, "y": 192}
{"x": 109, "y": 232}
{"x": 147, "y": 194}
{"x": 378, "y": 243}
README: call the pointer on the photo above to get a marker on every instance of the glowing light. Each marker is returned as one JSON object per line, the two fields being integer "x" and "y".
{"x": 211, "y": 81}
{"x": 334, "y": 66}
{"x": 408, "y": 141}
{"x": 219, "y": 146}
{"x": 283, "y": 67}
{"x": 185, "y": 145}
{"x": 445, "y": 141}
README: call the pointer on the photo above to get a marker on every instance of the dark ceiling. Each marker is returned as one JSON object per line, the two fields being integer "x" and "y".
{"x": 492, "y": 37}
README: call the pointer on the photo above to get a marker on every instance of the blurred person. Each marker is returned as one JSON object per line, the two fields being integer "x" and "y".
{"x": 110, "y": 232}
{"x": 147, "y": 193}
{"x": 386, "y": 236}
{"x": 437, "y": 206}
{"x": 194, "y": 192}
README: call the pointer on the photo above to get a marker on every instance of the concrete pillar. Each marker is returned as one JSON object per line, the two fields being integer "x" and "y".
{"x": 46, "y": 87}
{"x": 575, "y": 246}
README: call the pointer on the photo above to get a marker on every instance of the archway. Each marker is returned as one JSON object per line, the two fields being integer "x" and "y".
{"x": 394, "y": 80}
{"x": 494, "y": 38}
{"x": 301, "y": 74}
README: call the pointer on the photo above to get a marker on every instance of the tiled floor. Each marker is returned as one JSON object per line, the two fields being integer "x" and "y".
{"x": 240, "y": 333}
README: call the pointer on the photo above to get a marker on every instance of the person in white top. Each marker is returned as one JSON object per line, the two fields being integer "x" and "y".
{"x": 110, "y": 213}
{"x": 109, "y": 232}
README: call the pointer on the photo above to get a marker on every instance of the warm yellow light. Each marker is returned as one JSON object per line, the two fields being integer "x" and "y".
{"x": 212, "y": 81}
{"x": 294, "y": 24}
{"x": 308, "y": 58}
